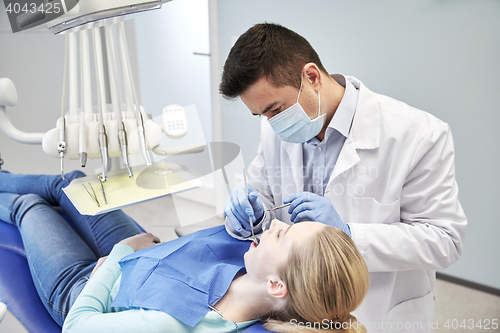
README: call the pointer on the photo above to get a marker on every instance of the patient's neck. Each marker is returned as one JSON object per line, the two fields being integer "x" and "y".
{"x": 244, "y": 300}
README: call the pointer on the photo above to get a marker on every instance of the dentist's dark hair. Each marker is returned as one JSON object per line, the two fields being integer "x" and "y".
{"x": 266, "y": 50}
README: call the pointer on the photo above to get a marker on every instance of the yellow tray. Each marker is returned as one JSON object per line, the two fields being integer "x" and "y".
{"x": 153, "y": 182}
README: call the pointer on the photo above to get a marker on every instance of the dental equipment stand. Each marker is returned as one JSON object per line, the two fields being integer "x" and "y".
{"x": 136, "y": 132}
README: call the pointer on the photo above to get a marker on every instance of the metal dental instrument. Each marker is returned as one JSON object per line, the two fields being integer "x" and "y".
{"x": 140, "y": 120}
{"x": 61, "y": 145}
{"x": 86, "y": 98}
{"x": 288, "y": 204}
{"x": 248, "y": 197}
{"x": 102, "y": 188}
{"x": 92, "y": 195}
{"x": 122, "y": 135}
{"x": 103, "y": 144}
{"x": 82, "y": 138}
{"x": 103, "y": 139}
{"x": 142, "y": 138}
{"x": 279, "y": 207}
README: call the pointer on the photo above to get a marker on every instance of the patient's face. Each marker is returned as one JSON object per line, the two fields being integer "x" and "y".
{"x": 276, "y": 244}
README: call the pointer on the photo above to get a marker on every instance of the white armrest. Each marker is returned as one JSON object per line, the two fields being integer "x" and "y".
{"x": 3, "y": 311}
{"x": 8, "y": 97}
{"x": 8, "y": 93}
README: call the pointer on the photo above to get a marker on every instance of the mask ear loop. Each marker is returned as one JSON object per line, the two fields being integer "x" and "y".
{"x": 319, "y": 96}
{"x": 319, "y": 104}
{"x": 300, "y": 89}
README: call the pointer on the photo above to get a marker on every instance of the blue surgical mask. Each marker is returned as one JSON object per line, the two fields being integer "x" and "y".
{"x": 294, "y": 125}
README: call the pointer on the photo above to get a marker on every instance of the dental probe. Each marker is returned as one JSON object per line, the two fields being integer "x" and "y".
{"x": 103, "y": 139}
{"x": 279, "y": 207}
{"x": 102, "y": 189}
{"x": 288, "y": 204}
{"x": 122, "y": 134}
{"x": 61, "y": 145}
{"x": 250, "y": 218}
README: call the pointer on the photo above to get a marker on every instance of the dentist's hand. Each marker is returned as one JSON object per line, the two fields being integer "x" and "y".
{"x": 238, "y": 209}
{"x": 307, "y": 206}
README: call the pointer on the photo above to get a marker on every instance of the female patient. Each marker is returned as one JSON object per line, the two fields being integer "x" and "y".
{"x": 300, "y": 276}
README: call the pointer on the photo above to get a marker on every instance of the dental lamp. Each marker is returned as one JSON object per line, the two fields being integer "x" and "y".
{"x": 67, "y": 15}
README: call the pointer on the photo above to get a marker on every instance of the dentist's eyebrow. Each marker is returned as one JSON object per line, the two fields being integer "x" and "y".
{"x": 269, "y": 107}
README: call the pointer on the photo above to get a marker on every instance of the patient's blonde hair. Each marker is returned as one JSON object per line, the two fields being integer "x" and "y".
{"x": 326, "y": 279}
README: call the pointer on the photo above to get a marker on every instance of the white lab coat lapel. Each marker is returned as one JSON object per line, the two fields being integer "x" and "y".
{"x": 365, "y": 131}
{"x": 347, "y": 159}
{"x": 294, "y": 151}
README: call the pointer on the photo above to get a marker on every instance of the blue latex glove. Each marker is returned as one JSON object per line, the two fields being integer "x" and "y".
{"x": 307, "y": 206}
{"x": 238, "y": 209}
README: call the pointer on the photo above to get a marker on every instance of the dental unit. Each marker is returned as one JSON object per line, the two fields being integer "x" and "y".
{"x": 87, "y": 129}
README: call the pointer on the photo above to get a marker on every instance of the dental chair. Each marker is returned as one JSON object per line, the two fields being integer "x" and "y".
{"x": 18, "y": 292}
{"x": 3, "y": 311}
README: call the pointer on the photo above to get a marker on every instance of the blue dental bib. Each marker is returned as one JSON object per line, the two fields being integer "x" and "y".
{"x": 183, "y": 276}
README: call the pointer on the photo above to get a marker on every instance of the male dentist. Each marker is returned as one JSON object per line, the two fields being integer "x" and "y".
{"x": 374, "y": 167}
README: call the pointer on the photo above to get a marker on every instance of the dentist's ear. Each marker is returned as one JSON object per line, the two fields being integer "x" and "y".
{"x": 312, "y": 74}
{"x": 276, "y": 288}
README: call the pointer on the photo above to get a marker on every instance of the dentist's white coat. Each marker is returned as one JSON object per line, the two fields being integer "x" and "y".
{"x": 394, "y": 184}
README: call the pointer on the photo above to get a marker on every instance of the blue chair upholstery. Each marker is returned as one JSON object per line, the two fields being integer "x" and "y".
{"x": 17, "y": 290}
{"x": 16, "y": 286}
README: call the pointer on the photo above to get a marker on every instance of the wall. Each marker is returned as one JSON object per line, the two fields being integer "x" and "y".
{"x": 438, "y": 55}
{"x": 170, "y": 71}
